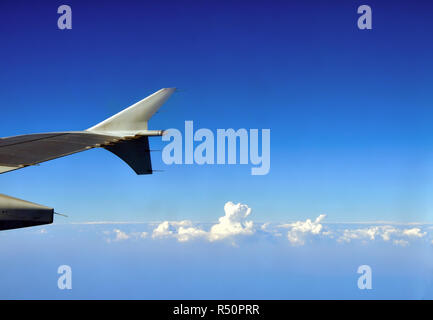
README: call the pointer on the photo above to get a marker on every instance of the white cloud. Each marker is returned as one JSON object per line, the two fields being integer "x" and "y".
{"x": 385, "y": 232}
{"x": 233, "y": 223}
{"x": 401, "y": 242}
{"x": 162, "y": 230}
{"x": 414, "y": 232}
{"x": 264, "y": 227}
{"x": 120, "y": 235}
{"x": 186, "y": 234}
{"x": 365, "y": 233}
{"x": 300, "y": 229}
{"x": 172, "y": 228}
{"x": 236, "y": 222}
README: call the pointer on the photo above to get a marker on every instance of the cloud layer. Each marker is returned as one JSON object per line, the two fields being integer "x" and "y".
{"x": 236, "y": 223}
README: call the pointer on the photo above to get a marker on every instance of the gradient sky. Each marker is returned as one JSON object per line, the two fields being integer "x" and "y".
{"x": 350, "y": 114}
{"x": 349, "y": 110}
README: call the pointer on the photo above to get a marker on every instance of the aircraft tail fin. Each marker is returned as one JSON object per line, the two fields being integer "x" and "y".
{"x": 134, "y": 119}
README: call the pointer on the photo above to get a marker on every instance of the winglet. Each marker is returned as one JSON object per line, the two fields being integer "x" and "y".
{"x": 136, "y": 117}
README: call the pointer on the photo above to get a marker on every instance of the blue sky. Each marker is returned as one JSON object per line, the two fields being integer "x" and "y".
{"x": 349, "y": 112}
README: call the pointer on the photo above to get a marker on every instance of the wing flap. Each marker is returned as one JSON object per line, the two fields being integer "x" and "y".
{"x": 32, "y": 149}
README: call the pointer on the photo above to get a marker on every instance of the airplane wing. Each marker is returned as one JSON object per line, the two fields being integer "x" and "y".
{"x": 124, "y": 134}
{"x": 22, "y": 151}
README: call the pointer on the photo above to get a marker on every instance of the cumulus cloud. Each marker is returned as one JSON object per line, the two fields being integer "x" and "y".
{"x": 300, "y": 229}
{"x": 169, "y": 228}
{"x": 414, "y": 232}
{"x": 356, "y": 234}
{"x": 386, "y": 232}
{"x": 182, "y": 230}
{"x": 186, "y": 234}
{"x": 120, "y": 235}
{"x": 233, "y": 223}
{"x": 237, "y": 222}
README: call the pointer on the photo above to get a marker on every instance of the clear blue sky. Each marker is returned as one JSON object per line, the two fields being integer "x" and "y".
{"x": 350, "y": 111}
